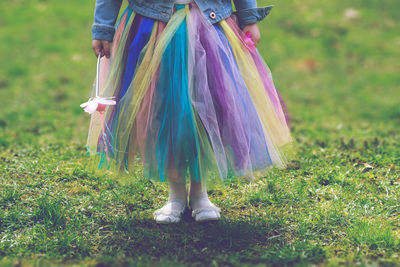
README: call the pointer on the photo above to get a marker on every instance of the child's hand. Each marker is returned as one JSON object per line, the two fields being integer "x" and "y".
{"x": 101, "y": 46}
{"x": 255, "y": 32}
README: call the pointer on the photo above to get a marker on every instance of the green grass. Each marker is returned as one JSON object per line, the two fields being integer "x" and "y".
{"x": 336, "y": 203}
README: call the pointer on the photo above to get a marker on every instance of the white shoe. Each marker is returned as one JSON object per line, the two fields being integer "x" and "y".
{"x": 207, "y": 212}
{"x": 170, "y": 212}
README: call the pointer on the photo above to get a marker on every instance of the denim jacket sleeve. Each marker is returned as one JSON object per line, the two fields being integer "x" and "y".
{"x": 105, "y": 16}
{"x": 247, "y": 12}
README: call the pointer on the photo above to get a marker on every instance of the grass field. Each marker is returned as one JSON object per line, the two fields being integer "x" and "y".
{"x": 336, "y": 65}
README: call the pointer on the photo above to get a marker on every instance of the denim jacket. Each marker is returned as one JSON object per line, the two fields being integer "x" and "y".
{"x": 106, "y": 12}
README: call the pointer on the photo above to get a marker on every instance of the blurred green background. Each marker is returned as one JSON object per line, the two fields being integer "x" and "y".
{"x": 336, "y": 64}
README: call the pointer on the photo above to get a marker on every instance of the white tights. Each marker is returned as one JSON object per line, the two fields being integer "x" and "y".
{"x": 197, "y": 193}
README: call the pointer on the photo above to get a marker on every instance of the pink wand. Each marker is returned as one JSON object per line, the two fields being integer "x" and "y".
{"x": 99, "y": 104}
{"x": 249, "y": 41}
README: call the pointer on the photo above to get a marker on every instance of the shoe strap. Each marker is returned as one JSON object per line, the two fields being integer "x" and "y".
{"x": 191, "y": 200}
{"x": 208, "y": 209}
{"x": 175, "y": 213}
{"x": 182, "y": 202}
{"x": 198, "y": 210}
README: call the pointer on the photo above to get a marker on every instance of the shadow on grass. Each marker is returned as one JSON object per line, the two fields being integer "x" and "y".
{"x": 245, "y": 241}
{"x": 59, "y": 229}
{"x": 132, "y": 240}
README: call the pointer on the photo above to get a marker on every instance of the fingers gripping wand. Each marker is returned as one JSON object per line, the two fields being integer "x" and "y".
{"x": 247, "y": 38}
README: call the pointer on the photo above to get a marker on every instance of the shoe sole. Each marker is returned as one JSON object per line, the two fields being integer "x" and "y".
{"x": 207, "y": 219}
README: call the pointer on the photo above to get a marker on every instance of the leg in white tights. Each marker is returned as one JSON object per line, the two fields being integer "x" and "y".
{"x": 172, "y": 211}
{"x": 203, "y": 208}
{"x": 177, "y": 190}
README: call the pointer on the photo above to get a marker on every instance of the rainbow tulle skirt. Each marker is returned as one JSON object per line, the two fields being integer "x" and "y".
{"x": 193, "y": 100}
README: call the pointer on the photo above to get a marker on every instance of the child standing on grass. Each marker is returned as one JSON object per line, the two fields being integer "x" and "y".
{"x": 194, "y": 98}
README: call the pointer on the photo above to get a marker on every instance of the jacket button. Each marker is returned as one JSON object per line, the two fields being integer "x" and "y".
{"x": 212, "y": 15}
